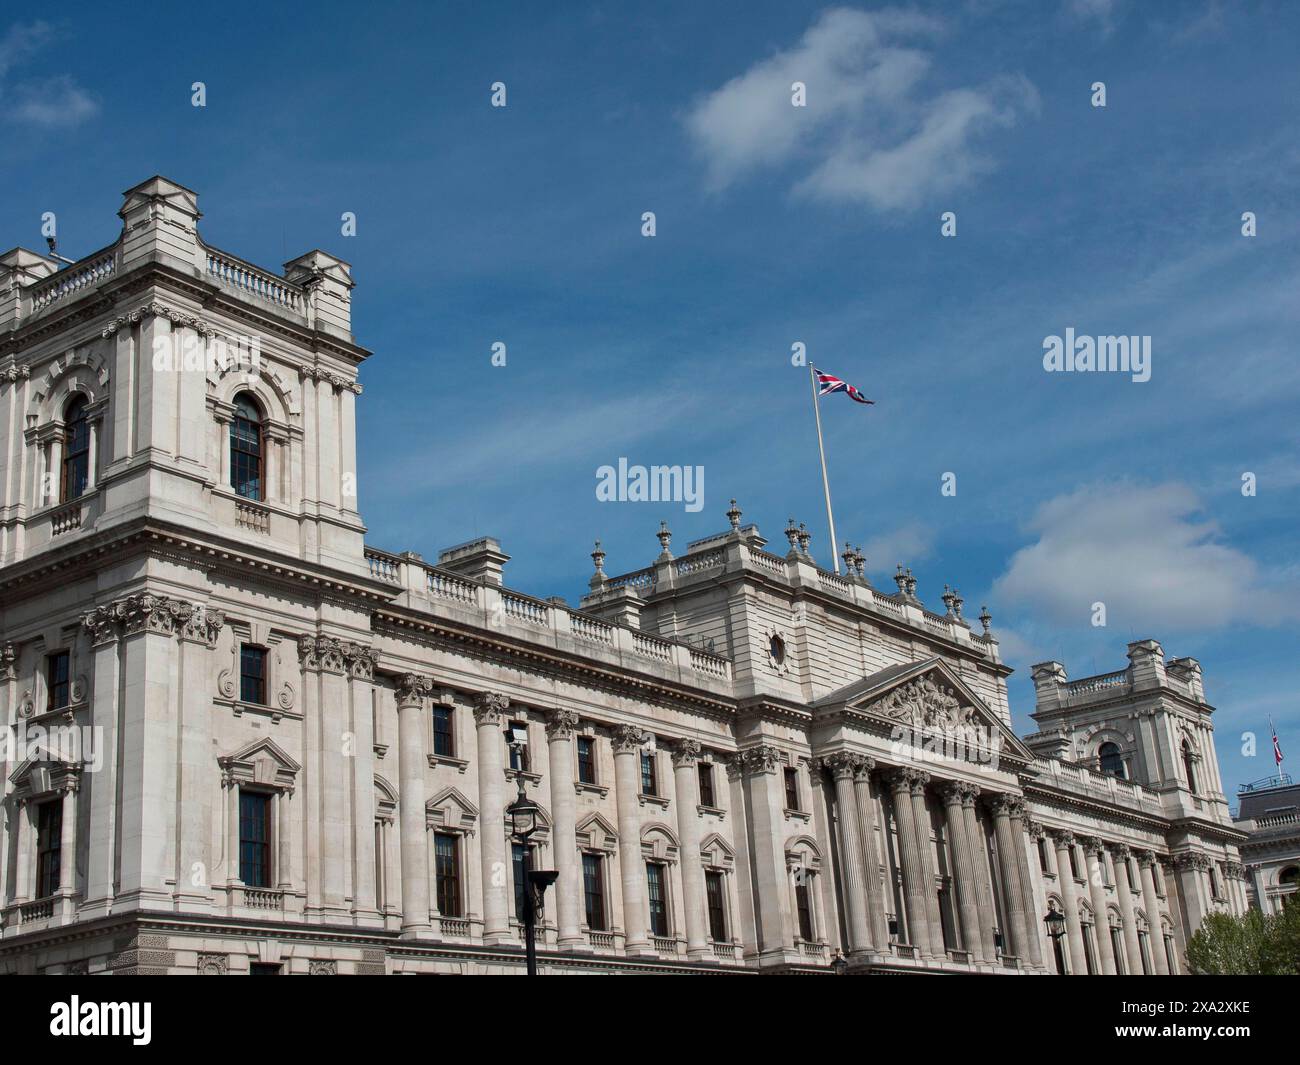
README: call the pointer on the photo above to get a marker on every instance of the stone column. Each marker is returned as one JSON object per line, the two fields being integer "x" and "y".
{"x": 1025, "y": 830}
{"x": 498, "y": 883}
{"x": 686, "y": 755}
{"x": 1150, "y": 903}
{"x": 1095, "y": 850}
{"x": 1064, "y": 840}
{"x": 1190, "y": 869}
{"x": 102, "y": 625}
{"x": 284, "y": 839}
{"x": 627, "y": 743}
{"x": 196, "y": 769}
{"x": 411, "y": 764}
{"x": 361, "y": 662}
{"x": 1132, "y": 948}
{"x": 875, "y": 888}
{"x": 983, "y": 874}
{"x": 231, "y": 786}
{"x": 842, "y": 767}
{"x": 914, "y": 885}
{"x": 334, "y": 783}
{"x": 68, "y": 840}
{"x": 929, "y": 872}
{"x": 964, "y": 880}
{"x": 560, "y": 725}
{"x": 26, "y": 843}
{"x": 1005, "y": 808}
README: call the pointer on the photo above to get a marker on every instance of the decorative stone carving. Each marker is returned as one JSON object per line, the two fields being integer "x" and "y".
{"x": 1092, "y": 846}
{"x": 1063, "y": 837}
{"x": 8, "y": 662}
{"x": 490, "y": 708}
{"x": 203, "y": 625}
{"x": 627, "y": 738}
{"x": 213, "y": 964}
{"x": 560, "y": 724}
{"x": 321, "y": 967}
{"x": 686, "y": 752}
{"x": 1191, "y": 860}
{"x": 957, "y": 791}
{"x": 923, "y": 703}
{"x": 763, "y": 758}
{"x": 1119, "y": 852}
{"x": 412, "y": 688}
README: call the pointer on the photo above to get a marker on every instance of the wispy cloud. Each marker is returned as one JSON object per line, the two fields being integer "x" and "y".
{"x": 48, "y": 102}
{"x": 1148, "y": 554}
{"x": 869, "y": 132}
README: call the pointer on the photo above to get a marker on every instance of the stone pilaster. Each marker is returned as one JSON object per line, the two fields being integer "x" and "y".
{"x": 498, "y": 884}
{"x": 686, "y": 753}
{"x": 560, "y": 725}
{"x": 627, "y": 742}
{"x": 1151, "y": 903}
{"x": 1132, "y": 948}
{"x": 1064, "y": 840}
{"x": 1094, "y": 849}
{"x": 411, "y": 764}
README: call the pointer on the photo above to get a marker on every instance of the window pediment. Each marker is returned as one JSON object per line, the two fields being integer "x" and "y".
{"x": 260, "y": 762}
{"x": 450, "y": 810}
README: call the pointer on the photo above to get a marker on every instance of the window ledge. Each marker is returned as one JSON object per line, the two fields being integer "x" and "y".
{"x": 528, "y": 775}
{"x": 715, "y": 811}
{"x": 459, "y": 764}
{"x": 797, "y": 815}
{"x": 579, "y": 786}
{"x": 653, "y": 800}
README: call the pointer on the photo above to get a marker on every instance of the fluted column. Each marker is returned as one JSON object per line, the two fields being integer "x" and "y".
{"x": 1004, "y": 808}
{"x": 1064, "y": 840}
{"x": 914, "y": 885}
{"x": 498, "y": 883}
{"x": 627, "y": 742}
{"x": 1023, "y": 829}
{"x": 875, "y": 889}
{"x": 1095, "y": 851}
{"x": 411, "y": 764}
{"x": 964, "y": 880}
{"x": 686, "y": 754}
{"x": 983, "y": 875}
{"x": 929, "y": 871}
{"x": 560, "y": 725}
{"x": 68, "y": 840}
{"x": 842, "y": 767}
{"x": 1132, "y": 948}
{"x": 1150, "y": 903}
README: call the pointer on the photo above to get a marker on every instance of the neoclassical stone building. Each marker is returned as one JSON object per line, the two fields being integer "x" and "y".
{"x": 1270, "y": 813}
{"x": 241, "y": 741}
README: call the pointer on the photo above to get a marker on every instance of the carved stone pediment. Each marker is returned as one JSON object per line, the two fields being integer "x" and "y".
{"x": 926, "y": 702}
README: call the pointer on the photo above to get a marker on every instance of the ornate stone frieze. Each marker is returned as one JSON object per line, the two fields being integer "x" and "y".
{"x": 490, "y": 708}
{"x": 332, "y": 655}
{"x": 322, "y": 967}
{"x": 213, "y": 964}
{"x": 151, "y": 613}
{"x": 15, "y": 373}
{"x": 924, "y": 703}
{"x": 627, "y": 738}
{"x": 315, "y": 373}
{"x": 686, "y": 752}
{"x": 561, "y": 724}
{"x": 158, "y": 310}
{"x": 203, "y": 625}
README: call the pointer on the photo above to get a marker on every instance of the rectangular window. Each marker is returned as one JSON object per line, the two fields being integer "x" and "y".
{"x": 792, "y": 789}
{"x": 49, "y": 847}
{"x": 519, "y": 751}
{"x": 586, "y": 760}
{"x": 656, "y": 891}
{"x": 1089, "y": 956}
{"x": 255, "y": 839}
{"x": 1214, "y": 883}
{"x": 715, "y": 891}
{"x": 263, "y": 968}
{"x": 520, "y": 860}
{"x": 1117, "y": 948}
{"x": 252, "y": 674}
{"x": 1042, "y": 855}
{"x": 57, "y": 675}
{"x": 649, "y": 780}
{"x": 706, "y": 784}
{"x": 803, "y": 901}
{"x": 1074, "y": 863}
{"x": 446, "y": 865}
{"x": 444, "y": 743}
{"x": 593, "y": 891}
{"x": 1134, "y": 884}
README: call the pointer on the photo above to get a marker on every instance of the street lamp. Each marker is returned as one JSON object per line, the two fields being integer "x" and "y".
{"x": 840, "y": 964}
{"x": 1055, "y": 921}
{"x": 521, "y": 822}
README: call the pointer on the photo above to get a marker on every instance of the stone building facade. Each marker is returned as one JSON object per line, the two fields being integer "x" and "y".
{"x": 241, "y": 741}
{"x": 1269, "y": 810}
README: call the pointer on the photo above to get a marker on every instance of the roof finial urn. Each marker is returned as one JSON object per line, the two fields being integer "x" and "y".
{"x": 665, "y": 537}
{"x": 805, "y": 538}
{"x": 986, "y": 619}
{"x": 792, "y": 534}
{"x": 598, "y": 557}
{"x": 733, "y": 516}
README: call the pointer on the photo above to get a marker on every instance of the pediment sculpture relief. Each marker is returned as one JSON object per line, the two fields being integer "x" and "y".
{"x": 923, "y": 703}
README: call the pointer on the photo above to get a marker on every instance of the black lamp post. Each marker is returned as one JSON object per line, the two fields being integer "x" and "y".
{"x": 840, "y": 964}
{"x": 521, "y": 820}
{"x": 1055, "y": 921}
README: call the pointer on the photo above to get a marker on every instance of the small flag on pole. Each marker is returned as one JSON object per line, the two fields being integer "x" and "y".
{"x": 1277, "y": 747}
{"x": 828, "y": 383}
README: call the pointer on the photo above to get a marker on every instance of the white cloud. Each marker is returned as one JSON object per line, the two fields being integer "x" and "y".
{"x": 1101, "y": 12}
{"x": 1149, "y": 555}
{"x": 52, "y": 101}
{"x": 907, "y": 544}
{"x": 868, "y": 133}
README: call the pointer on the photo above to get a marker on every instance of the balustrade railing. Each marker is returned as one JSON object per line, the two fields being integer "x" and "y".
{"x": 90, "y": 271}
{"x": 253, "y": 281}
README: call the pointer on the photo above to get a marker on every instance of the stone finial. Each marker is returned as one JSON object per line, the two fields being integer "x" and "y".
{"x": 805, "y": 538}
{"x": 911, "y": 584}
{"x": 957, "y": 603}
{"x": 792, "y": 534}
{"x": 848, "y": 557}
{"x": 598, "y": 578}
{"x": 948, "y": 598}
{"x": 733, "y": 516}
{"x": 665, "y": 537}
{"x": 860, "y": 562}
{"x": 986, "y": 619}
{"x": 900, "y": 578}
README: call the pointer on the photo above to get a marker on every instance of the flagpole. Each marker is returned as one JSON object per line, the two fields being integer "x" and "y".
{"x": 826, "y": 484}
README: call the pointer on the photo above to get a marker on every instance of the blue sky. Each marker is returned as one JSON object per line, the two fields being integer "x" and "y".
{"x": 775, "y": 224}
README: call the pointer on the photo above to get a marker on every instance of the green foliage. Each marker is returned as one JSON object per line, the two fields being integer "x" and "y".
{"x": 1250, "y": 945}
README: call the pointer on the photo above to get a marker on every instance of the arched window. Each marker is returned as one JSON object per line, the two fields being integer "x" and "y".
{"x": 1289, "y": 877}
{"x": 246, "y": 472}
{"x": 1112, "y": 763}
{"x": 1188, "y": 766}
{"x": 76, "y": 450}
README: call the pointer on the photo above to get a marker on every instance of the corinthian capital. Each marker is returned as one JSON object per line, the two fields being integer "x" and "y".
{"x": 560, "y": 724}
{"x": 490, "y": 708}
{"x": 686, "y": 752}
{"x": 411, "y": 689}
{"x": 841, "y": 765}
{"x": 1092, "y": 846}
{"x": 627, "y": 738}
{"x": 763, "y": 758}
{"x": 956, "y": 792}
{"x": 1062, "y": 837}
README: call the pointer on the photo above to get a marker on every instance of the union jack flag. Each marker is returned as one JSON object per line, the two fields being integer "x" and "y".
{"x": 828, "y": 383}
{"x": 1277, "y": 747}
